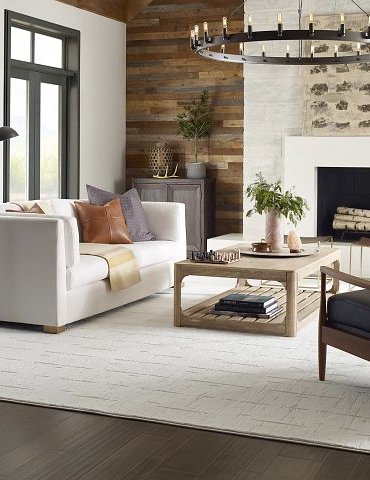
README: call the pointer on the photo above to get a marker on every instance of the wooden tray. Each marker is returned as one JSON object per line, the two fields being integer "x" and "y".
{"x": 284, "y": 253}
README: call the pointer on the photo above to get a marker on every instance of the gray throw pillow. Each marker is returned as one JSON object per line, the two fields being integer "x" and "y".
{"x": 132, "y": 210}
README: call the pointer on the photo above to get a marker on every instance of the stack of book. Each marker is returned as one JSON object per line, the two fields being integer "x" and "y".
{"x": 246, "y": 305}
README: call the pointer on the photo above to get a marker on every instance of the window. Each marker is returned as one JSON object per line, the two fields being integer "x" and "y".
{"x": 42, "y": 104}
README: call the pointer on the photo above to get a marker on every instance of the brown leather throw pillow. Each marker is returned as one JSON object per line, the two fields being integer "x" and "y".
{"x": 103, "y": 224}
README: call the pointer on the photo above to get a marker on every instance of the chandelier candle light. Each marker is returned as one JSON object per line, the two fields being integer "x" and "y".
{"x": 215, "y": 47}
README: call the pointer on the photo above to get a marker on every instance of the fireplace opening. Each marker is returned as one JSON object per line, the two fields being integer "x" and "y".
{"x": 343, "y": 187}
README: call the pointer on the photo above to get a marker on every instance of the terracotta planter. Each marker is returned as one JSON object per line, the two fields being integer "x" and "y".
{"x": 274, "y": 229}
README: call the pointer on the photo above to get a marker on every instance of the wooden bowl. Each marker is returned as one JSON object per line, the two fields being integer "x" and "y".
{"x": 261, "y": 247}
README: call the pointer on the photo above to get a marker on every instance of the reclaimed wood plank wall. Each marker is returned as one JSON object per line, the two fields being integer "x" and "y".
{"x": 163, "y": 75}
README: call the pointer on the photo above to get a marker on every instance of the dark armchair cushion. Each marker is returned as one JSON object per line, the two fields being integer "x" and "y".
{"x": 350, "y": 312}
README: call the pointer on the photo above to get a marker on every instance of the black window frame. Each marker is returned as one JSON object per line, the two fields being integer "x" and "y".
{"x": 69, "y": 78}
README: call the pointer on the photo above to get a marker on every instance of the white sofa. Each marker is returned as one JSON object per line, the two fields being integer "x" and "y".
{"x": 44, "y": 280}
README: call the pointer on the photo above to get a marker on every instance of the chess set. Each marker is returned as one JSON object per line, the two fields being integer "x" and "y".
{"x": 220, "y": 257}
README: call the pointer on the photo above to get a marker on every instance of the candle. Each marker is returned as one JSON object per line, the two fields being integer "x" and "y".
{"x": 222, "y": 48}
{"x": 311, "y": 26}
{"x": 263, "y": 51}
{"x": 250, "y": 26}
{"x": 241, "y": 48}
{"x": 342, "y": 29}
{"x": 287, "y": 51}
{"x": 280, "y": 24}
{"x": 224, "y": 27}
{"x": 336, "y": 51}
{"x": 196, "y": 30}
{"x": 205, "y": 31}
{"x": 192, "y": 39}
{"x": 358, "y": 49}
{"x": 312, "y": 51}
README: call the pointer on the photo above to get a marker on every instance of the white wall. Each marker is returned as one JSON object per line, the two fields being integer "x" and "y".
{"x": 274, "y": 95}
{"x": 103, "y": 88}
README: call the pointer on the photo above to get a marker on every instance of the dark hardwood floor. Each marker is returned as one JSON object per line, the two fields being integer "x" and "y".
{"x": 47, "y": 444}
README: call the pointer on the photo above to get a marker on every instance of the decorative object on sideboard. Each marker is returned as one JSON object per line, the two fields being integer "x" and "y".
{"x": 166, "y": 174}
{"x": 294, "y": 242}
{"x": 221, "y": 257}
{"x": 161, "y": 161}
{"x": 214, "y": 47}
{"x": 195, "y": 123}
{"x": 6, "y": 133}
{"x": 270, "y": 200}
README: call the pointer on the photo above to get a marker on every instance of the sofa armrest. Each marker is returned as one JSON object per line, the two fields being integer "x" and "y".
{"x": 71, "y": 233}
{"x": 32, "y": 270}
{"x": 166, "y": 220}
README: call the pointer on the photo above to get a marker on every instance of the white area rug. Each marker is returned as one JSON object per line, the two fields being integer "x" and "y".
{"x": 132, "y": 362}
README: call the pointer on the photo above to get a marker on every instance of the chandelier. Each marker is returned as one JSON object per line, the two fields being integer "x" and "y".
{"x": 215, "y": 47}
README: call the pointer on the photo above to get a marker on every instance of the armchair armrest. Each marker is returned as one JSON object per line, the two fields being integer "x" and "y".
{"x": 345, "y": 277}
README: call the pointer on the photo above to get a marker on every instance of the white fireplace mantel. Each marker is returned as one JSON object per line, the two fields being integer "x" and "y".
{"x": 303, "y": 155}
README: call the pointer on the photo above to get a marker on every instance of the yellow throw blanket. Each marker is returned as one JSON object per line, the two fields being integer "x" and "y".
{"x": 123, "y": 268}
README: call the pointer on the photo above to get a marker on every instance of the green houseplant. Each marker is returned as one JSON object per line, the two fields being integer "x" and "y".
{"x": 195, "y": 123}
{"x": 270, "y": 199}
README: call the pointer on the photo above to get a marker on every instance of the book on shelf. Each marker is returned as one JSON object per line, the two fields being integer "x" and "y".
{"x": 267, "y": 316}
{"x": 258, "y": 301}
{"x": 245, "y": 308}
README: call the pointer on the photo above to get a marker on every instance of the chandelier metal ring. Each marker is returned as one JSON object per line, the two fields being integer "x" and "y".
{"x": 203, "y": 45}
{"x": 263, "y": 36}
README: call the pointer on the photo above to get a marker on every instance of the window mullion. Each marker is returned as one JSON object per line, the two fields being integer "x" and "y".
{"x": 34, "y": 140}
{"x": 32, "y": 47}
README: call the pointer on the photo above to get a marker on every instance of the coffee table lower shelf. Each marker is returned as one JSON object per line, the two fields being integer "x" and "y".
{"x": 198, "y": 316}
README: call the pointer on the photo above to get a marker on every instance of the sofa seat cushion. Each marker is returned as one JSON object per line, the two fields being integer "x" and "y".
{"x": 350, "y": 312}
{"x": 154, "y": 251}
{"x": 91, "y": 269}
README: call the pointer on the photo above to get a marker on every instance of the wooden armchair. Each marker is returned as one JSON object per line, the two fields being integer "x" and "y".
{"x": 344, "y": 319}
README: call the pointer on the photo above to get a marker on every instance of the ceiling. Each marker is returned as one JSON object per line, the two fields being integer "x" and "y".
{"x": 122, "y": 10}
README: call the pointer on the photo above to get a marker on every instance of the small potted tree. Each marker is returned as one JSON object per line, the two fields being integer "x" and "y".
{"x": 195, "y": 123}
{"x": 269, "y": 199}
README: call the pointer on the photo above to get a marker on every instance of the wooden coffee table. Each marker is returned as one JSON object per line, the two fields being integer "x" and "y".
{"x": 298, "y": 303}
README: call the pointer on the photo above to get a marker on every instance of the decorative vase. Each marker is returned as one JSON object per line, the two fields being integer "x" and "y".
{"x": 273, "y": 229}
{"x": 196, "y": 170}
{"x": 161, "y": 159}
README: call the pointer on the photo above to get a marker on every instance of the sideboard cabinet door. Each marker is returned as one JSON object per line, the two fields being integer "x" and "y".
{"x": 191, "y": 195}
{"x": 151, "y": 192}
{"x": 198, "y": 197}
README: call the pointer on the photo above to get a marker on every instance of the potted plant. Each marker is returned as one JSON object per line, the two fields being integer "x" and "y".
{"x": 195, "y": 123}
{"x": 271, "y": 200}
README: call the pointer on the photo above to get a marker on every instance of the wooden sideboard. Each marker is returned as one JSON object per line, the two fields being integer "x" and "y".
{"x": 198, "y": 197}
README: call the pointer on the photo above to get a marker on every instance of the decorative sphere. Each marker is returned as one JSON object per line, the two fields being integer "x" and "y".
{"x": 161, "y": 159}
